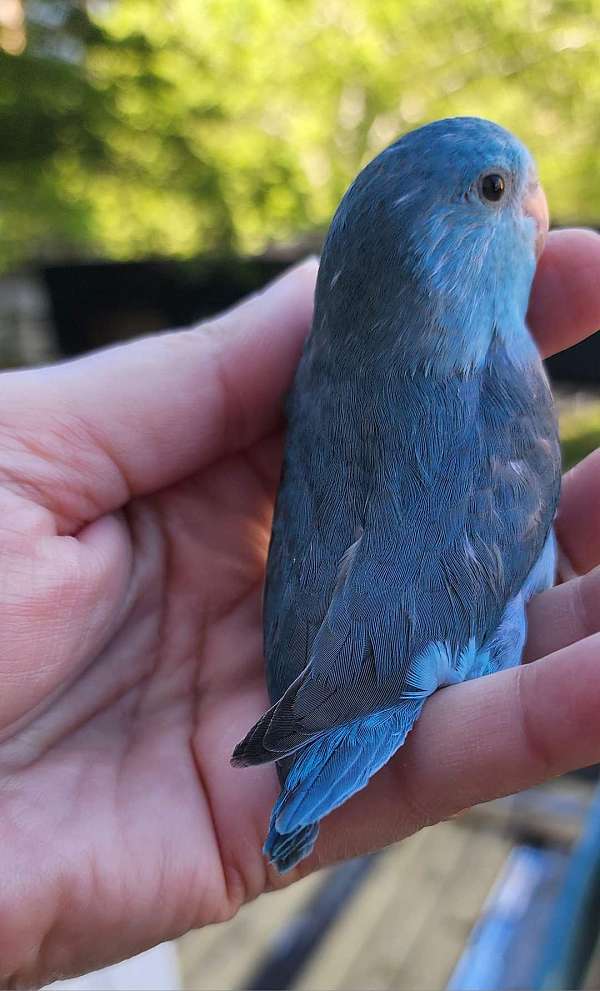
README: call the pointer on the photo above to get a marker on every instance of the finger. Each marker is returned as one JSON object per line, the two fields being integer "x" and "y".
{"x": 565, "y": 299}
{"x": 563, "y": 615}
{"x": 578, "y": 520}
{"x": 140, "y": 416}
{"x": 474, "y": 742}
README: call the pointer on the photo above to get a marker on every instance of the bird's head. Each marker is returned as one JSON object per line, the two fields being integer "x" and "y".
{"x": 436, "y": 243}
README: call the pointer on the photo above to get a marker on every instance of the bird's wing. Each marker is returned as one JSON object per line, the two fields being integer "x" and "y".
{"x": 442, "y": 548}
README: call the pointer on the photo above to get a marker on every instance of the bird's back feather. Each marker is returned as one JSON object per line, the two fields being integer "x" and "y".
{"x": 451, "y": 487}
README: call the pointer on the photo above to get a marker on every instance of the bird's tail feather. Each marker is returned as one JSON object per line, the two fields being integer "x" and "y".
{"x": 327, "y": 772}
{"x": 285, "y": 850}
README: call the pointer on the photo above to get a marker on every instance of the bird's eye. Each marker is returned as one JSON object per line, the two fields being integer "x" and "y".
{"x": 492, "y": 187}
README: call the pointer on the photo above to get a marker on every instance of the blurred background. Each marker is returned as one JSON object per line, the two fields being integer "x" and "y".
{"x": 160, "y": 159}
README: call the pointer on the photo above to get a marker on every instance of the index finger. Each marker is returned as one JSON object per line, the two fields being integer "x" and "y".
{"x": 565, "y": 298}
{"x": 477, "y": 741}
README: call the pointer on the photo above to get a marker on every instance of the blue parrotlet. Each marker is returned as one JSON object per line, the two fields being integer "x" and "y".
{"x": 422, "y": 467}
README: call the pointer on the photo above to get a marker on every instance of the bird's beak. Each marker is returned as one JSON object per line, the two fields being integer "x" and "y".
{"x": 535, "y": 206}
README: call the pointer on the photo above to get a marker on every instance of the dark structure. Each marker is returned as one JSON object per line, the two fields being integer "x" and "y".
{"x": 99, "y": 303}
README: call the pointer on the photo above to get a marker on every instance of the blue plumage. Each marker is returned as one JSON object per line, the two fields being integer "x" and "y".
{"x": 421, "y": 473}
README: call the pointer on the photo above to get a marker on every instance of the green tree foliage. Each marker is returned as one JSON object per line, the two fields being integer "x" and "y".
{"x": 170, "y": 127}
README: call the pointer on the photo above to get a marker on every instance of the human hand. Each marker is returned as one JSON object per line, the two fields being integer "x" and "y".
{"x": 136, "y": 491}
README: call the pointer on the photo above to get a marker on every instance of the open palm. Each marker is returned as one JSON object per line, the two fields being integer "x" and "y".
{"x": 136, "y": 493}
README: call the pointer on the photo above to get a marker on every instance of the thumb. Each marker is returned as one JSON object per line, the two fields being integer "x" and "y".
{"x": 135, "y": 418}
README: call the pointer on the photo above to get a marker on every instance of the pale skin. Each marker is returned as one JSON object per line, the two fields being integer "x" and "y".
{"x": 136, "y": 493}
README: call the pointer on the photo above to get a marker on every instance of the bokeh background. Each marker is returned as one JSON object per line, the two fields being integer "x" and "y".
{"x": 139, "y": 127}
{"x": 159, "y": 158}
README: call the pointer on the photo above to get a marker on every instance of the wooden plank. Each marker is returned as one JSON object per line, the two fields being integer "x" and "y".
{"x": 446, "y": 926}
{"x": 375, "y": 937}
{"x": 221, "y": 957}
{"x": 300, "y": 936}
{"x": 419, "y": 890}
{"x": 332, "y": 965}
{"x": 405, "y": 928}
